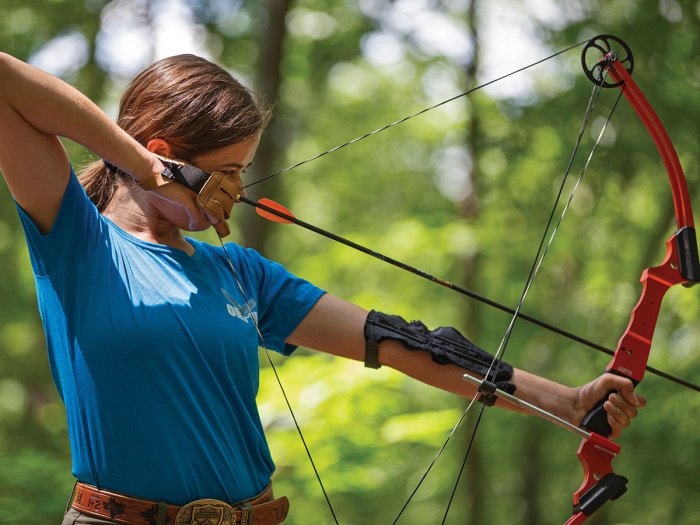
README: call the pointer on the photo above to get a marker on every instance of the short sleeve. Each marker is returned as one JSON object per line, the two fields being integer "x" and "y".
{"x": 77, "y": 231}
{"x": 284, "y": 302}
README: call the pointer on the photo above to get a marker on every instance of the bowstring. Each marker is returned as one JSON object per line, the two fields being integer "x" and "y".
{"x": 414, "y": 115}
{"x": 277, "y": 377}
{"x": 432, "y": 463}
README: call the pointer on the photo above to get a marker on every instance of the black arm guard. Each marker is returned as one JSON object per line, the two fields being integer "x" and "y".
{"x": 445, "y": 346}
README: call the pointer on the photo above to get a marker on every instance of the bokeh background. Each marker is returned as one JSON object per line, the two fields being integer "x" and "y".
{"x": 462, "y": 191}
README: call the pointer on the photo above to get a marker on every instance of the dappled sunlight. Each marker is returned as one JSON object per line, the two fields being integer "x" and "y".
{"x": 461, "y": 192}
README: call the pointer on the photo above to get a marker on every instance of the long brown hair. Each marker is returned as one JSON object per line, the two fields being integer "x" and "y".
{"x": 193, "y": 104}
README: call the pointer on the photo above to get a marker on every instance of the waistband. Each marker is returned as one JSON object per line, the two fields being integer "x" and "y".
{"x": 263, "y": 509}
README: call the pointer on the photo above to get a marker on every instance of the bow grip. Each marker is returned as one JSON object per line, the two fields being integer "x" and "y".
{"x": 597, "y": 418}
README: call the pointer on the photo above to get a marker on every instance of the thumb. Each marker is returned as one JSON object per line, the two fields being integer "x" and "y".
{"x": 624, "y": 387}
{"x": 194, "y": 213}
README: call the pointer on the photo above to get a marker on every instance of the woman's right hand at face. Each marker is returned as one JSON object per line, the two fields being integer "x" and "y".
{"x": 174, "y": 193}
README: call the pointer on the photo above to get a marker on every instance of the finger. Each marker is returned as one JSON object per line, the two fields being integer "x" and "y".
{"x": 642, "y": 400}
{"x": 222, "y": 229}
{"x": 217, "y": 216}
{"x": 615, "y": 426}
{"x": 623, "y": 386}
{"x": 617, "y": 419}
{"x": 620, "y": 403}
{"x": 194, "y": 213}
{"x": 213, "y": 219}
{"x": 627, "y": 392}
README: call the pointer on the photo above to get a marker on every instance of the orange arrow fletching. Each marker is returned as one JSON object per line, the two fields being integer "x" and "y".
{"x": 271, "y": 216}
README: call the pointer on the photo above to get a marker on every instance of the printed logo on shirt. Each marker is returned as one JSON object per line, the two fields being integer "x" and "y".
{"x": 242, "y": 312}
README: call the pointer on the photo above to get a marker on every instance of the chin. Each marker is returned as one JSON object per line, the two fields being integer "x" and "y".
{"x": 199, "y": 228}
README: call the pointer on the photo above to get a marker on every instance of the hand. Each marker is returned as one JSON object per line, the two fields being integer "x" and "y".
{"x": 183, "y": 197}
{"x": 622, "y": 406}
{"x": 175, "y": 194}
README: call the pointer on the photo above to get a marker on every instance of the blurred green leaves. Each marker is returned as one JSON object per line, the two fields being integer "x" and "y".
{"x": 352, "y": 67}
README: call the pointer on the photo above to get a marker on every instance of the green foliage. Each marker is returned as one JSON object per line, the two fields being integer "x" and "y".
{"x": 373, "y": 434}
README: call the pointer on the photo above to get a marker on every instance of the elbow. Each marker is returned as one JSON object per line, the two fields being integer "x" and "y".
{"x": 9, "y": 69}
{"x": 6, "y": 62}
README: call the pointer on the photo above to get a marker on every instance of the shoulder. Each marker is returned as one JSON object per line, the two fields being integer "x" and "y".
{"x": 237, "y": 253}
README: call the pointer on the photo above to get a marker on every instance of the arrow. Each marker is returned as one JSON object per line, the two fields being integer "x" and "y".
{"x": 273, "y": 211}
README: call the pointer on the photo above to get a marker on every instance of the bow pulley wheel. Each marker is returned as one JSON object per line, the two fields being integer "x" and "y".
{"x": 599, "y": 52}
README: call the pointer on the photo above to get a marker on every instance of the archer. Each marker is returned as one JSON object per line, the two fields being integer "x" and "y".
{"x": 137, "y": 315}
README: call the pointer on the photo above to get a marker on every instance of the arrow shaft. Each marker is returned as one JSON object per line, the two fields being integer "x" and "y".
{"x": 457, "y": 288}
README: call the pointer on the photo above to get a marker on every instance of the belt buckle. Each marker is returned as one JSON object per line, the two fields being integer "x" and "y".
{"x": 208, "y": 512}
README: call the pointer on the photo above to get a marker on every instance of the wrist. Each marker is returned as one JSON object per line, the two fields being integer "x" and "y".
{"x": 560, "y": 400}
{"x": 148, "y": 177}
{"x": 150, "y": 166}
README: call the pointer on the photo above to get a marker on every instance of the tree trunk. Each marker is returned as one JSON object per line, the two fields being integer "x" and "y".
{"x": 469, "y": 210}
{"x": 255, "y": 231}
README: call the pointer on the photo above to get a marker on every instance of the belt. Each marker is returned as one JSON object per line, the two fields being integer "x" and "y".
{"x": 119, "y": 508}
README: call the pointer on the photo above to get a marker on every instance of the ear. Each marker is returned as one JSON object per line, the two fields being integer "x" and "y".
{"x": 160, "y": 147}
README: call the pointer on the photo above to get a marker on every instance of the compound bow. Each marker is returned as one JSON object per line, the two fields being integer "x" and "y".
{"x": 612, "y": 69}
{"x": 607, "y": 61}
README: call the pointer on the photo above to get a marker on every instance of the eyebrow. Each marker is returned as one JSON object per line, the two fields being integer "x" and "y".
{"x": 236, "y": 165}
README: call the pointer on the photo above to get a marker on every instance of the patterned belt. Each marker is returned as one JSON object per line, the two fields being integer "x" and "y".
{"x": 260, "y": 510}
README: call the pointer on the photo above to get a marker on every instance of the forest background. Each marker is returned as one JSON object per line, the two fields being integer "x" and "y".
{"x": 462, "y": 192}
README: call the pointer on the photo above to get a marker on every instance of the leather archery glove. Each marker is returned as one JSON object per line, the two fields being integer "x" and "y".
{"x": 217, "y": 197}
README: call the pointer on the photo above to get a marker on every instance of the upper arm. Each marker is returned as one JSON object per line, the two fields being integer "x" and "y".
{"x": 34, "y": 164}
{"x": 334, "y": 326}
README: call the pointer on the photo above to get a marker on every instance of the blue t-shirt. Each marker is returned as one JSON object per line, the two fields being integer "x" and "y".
{"x": 155, "y": 356}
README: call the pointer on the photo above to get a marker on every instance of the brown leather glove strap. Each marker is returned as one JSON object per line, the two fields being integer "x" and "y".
{"x": 151, "y": 183}
{"x": 128, "y": 510}
{"x": 217, "y": 196}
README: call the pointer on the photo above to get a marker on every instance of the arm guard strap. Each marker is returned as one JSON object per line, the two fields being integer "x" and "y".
{"x": 445, "y": 346}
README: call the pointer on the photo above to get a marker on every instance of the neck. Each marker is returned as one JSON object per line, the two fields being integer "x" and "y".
{"x": 131, "y": 209}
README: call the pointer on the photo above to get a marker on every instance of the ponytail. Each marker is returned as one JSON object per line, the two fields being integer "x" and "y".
{"x": 99, "y": 183}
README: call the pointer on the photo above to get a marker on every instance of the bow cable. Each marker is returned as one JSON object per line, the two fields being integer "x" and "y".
{"x": 541, "y": 253}
{"x": 516, "y": 313}
{"x": 543, "y": 249}
{"x": 464, "y": 291}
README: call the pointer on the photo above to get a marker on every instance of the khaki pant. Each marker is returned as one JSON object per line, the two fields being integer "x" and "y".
{"x": 73, "y": 517}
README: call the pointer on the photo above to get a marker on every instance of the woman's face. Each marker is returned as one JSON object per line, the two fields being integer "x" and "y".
{"x": 230, "y": 160}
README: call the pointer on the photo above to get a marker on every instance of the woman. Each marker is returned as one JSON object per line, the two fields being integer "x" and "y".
{"x": 152, "y": 338}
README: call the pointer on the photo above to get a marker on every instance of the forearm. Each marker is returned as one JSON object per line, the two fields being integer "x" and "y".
{"x": 55, "y": 108}
{"x": 548, "y": 395}
{"x": 336, "y": 326}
